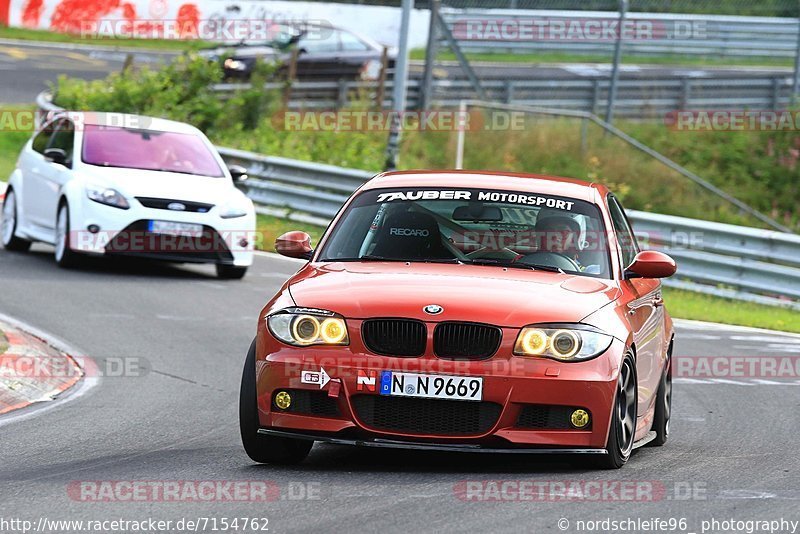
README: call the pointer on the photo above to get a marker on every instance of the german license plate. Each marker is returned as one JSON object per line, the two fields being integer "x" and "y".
{"x": 468, "y": 388}
{"x": 175, "y": 228}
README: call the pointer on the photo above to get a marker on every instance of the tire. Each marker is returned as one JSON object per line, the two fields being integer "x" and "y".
{"x": 260, "y": 448}
{"x": 65, "y": 257}
{"x": 9, "y": 226}
{"x": 229, "y": 272}
{"x": 663, "y": 406}
{"x": 623, "y": 419}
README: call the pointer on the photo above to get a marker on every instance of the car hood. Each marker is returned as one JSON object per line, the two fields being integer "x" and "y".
{"x": 171, "y": 185}
{"x": 511, "y": 298}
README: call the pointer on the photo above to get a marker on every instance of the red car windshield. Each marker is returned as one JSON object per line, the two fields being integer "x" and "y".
{"x": 149, "y": 150}
{"x": 490, "y": 227}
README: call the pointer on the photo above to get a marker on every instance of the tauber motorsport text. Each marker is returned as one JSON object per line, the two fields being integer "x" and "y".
{"x": 485, "y": 196}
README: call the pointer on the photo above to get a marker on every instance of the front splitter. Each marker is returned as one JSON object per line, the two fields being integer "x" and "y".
{"x": 393, "y": 444}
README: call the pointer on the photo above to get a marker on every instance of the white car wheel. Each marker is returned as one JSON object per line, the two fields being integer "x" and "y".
{"x": 64, "y": 255}
{"x": 10, "y": 241}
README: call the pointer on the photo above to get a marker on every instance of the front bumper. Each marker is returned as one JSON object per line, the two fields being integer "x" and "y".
{"x": 526, "y": 401}
{"x": 125, "y": 232}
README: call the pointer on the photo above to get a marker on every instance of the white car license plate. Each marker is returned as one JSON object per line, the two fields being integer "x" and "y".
{"x": 468, "y": 388}
{"x": 176, "y": 228}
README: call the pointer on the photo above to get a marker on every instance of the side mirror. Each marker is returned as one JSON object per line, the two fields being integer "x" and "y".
{"x": 238, "y": 173}
{"x": 294, "y": 245}
{"x": 651, "y": 264}
{"x": 56, "y": 155}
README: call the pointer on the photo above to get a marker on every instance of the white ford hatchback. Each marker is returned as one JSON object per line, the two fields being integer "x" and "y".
{"x": 114, "y": 184}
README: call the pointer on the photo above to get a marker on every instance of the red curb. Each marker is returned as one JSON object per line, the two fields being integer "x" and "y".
{"x": 32, "y": 371}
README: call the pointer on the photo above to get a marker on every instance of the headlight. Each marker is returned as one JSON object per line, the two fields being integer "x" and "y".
{"x": 371, "y": 70}
{"x": 308, "y": 326}
{"x": 235, "y": 64}
{"x": 107, "y": 196}
{"x": 568, "y": 343}
{"x": 232, "y": 210}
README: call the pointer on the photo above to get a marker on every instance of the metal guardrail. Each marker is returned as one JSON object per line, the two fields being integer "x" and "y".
{"x": 721, "y": 259}
{"x": 639, "y": 98}
{"x": 706, "y": 35}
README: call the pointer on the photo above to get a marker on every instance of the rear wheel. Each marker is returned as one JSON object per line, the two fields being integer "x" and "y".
{"x": 623, "y": 420}
{"x": 260, "y": 448}
{"x": 229, "y": 272}
{"x": 10, "y": 240}
{"x": 663, "y": 406}
{"x": 64, "y": 255}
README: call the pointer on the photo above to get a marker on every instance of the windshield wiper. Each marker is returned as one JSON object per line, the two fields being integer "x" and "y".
{"x": 526, "y": 266}
{"x": 371, "y": 257}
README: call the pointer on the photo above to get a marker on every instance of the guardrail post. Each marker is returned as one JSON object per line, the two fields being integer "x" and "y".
{"x": 508, "y": 86}
{"x": 686, "y": 93}
{"x": 776, "y": 93}
{"x": 595, "y": 96}
{"x": 341, "y": 93}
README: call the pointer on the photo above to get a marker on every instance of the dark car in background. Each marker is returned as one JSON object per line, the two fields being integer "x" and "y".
{"x": 323, "y": 53}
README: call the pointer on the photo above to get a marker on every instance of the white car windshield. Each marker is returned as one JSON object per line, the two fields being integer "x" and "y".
{"x": 478, "y": 226}
{"x": 150, "y": 150}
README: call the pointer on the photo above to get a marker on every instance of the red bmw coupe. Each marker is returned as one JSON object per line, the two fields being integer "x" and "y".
{"x": 465, "y": 311}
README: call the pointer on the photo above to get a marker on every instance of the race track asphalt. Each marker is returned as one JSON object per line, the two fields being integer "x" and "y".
{"x": 733, "y": 447}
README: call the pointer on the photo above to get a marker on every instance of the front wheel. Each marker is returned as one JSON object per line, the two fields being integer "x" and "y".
{"x": 65, "y": 257}
{"x": 260, "y": 448}
{"x": 623, "y": 418}
{"x": 229, "y": 272}
{"x": 10, "y": 240}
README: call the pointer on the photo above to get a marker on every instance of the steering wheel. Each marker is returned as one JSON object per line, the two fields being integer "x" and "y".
{"x": 551, "y": 259}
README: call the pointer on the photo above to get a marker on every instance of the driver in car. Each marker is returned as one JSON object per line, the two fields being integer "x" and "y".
{"x": 562, "y": 235}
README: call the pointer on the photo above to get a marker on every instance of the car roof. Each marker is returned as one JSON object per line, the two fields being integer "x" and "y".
{"x": 533, "y": 183}
{"x": 127, "y": 120}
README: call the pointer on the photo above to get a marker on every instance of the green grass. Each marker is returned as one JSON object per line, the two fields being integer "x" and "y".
{"x": 562, "y": 57}
{"x": 688, "y": 305}
{"x": 56, "y": 37}
{"x": 11, "y": 142}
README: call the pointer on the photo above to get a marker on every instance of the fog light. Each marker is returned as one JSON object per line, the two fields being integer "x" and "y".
{"x": 283, "y": 400}
{"x": 579, "y": 418}
{"x": 93, "y": 228}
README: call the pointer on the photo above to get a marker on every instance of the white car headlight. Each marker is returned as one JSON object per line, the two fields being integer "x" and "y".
{"x": 107, "y": 196}
{"x": 567, "y": 343}
{"x": 234, "y": 209}
{"x": 302, "y": 327}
